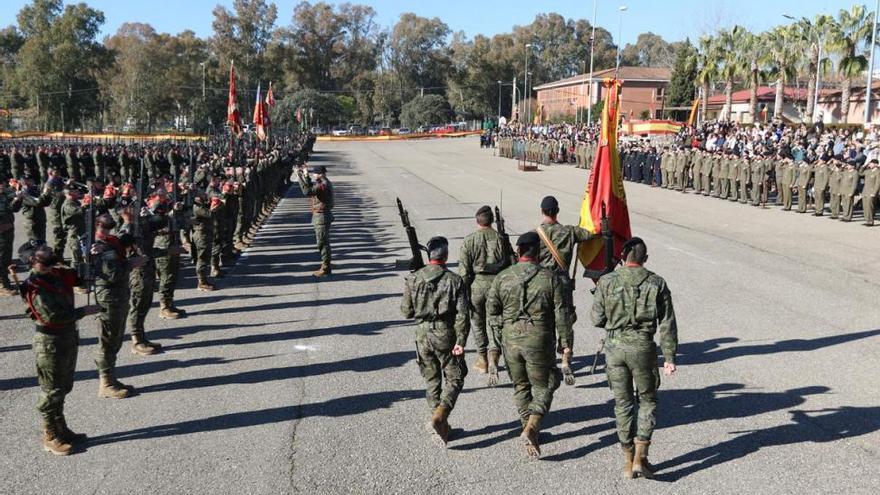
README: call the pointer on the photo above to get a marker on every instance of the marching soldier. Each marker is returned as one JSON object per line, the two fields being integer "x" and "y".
{"x": 526, "y": 303}
{"x": 482, "y": 258}
{"x": 632, "y": 304}
{"x": 437, "y": 299}
{"x": 48, "y": 292}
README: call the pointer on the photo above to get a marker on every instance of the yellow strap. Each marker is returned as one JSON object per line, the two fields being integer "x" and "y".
{"x": 553, "y": 251}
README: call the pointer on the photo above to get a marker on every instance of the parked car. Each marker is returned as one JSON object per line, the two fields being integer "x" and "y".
{"x": 373, "y": 130}
{"x": 355, "y": 130}
{"x": 318, "y": 131}
{"x": 340, "y": 131}
{"x": 385, "y": 131}
{"x": 404, "y": 130}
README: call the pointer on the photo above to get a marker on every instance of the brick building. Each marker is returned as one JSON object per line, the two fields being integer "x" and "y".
{"x": 643, "y": 91}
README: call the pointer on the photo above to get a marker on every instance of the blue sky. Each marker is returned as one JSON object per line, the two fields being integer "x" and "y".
{"x": 672, "y": 19}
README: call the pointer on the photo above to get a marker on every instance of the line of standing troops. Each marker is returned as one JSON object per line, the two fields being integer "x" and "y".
{"x": 725, "y": 175}
{"x": 133, "y": 242}
{"x": 521, "y": 306}
{"x": 547, "y": 150}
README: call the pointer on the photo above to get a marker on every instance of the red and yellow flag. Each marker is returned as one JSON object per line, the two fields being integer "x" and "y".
{"x": 605, "y": 188}
{"x": 260, "y": 119}
{"x": 233, "y": 116}
{"x": 693, "y": 116}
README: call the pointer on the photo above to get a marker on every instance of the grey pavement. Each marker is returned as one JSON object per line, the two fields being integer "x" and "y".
{"x": 280, "y": 383}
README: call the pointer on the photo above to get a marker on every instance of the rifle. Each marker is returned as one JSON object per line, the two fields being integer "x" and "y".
{"x": 416, "y": 262}
{"x": 507, "y": 251}
{"x": 172, "y": 216}
{"x": 138, "y": 204}
{"x": 86, "y": 269}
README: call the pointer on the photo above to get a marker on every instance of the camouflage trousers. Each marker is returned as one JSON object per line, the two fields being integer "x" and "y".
{"x": 34, "y": 228}
{"x": 322, "y": 237}
{"x": 484, "y": 338}
{"x": 167, "y": 267}
{"x": 531, "y": 363}
{"x": 114, "y": 310}
{"x": 59, "y": 236}
{"x": 217, "y": 240}
{"x": 7, "y": 239}
{"x": 141, "y": 282}
{"x": 202, "y": 251}
{"x": 633, "y": 377}
{"x": 56, "y": 363}
{"x": 436, "y": 362}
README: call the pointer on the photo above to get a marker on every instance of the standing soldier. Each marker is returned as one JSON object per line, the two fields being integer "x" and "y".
{"x": 834, "y": 188}
{"x": 55, "y": 185}
{"x": 73, "y": 216}
{"x": 112, "y": 269}
{"x": 204, "y": 217}
{"x": 32, "y": 205}
{"x": 786, "y": 182}
{"x": 142, "y": 280}
{"x": 805, "y": 175}
{"x": 526, "y": 303}
{"x": 166, "y": 252}
{"x": 483, "y": 255}
{"x": 48, "y": 292}
{"x": 849, "y": 183}
{"x": 631, "y": 304}
{"x": 736, "y": 162}
{"x": 437, "y": 299}
{"x": 779, "y": 171}
{"x": 319, "y": 189}
{"x": 870, "y": 190}
{"x": 7, "y": 235}
{"x": 821, "y": 175}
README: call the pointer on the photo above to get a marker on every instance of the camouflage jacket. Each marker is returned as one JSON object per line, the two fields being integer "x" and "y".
{"x": 566, "y": 239}
{"x": 632, "y": 304}
{"x": 321, "y": 197}
{"x": 437, "y": 299}
{"x": 111, "y": 265}
{"x": 49, "y": 298}
{"x": 203, "y": 218}
{"x": 7, "y": 209}
{"x": 530, "y": 293}
{"x": 482, "y": 254}
{"x": 73, "y": 217}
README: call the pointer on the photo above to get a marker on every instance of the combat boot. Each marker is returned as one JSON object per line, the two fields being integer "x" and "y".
{"x": 109, "y": 388}
{"x": 481, "y": 365}
{"x": 628, "y": 453}
{"x": 66, "y": 433}
{"x": 165, "y": 311}
{"x": 530, "y": 436}
{"x": 440, "y": 423}
{"x": 52, "y": 441}
{"x": 492, "y": 367}
{"x": 216, "y": 272}
{"x": 140, "y": 345}
{"x": 641, "y": 466}
{"x": 323, "y": 271}
{"x": 204, "y": 285}
{"x": 7, "y": 291}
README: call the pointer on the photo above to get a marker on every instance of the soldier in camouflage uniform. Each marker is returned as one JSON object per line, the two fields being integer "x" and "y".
{"x": 166, "y": 252}
{"x": 204, "y": 218}
{"x": 31, "y": 204}
{"x": 7, "y": 235}
{"x": 483, "y": 255}
{"x": 112, "y": 269}
{"x": 319, "y": 189}
{"x": 437, "y": 299}
{"x": 55, "y": 185}
{"x": 527, "y": 304}
{"x": 632, "y": 304}
{"x": 871, "y": 190}
{"x": 48, "y": 293}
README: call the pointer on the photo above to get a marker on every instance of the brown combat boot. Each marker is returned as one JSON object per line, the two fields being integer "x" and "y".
{"x": 530, "y": 436}
{"x": 628, "y": 453}
{"x": 7, "y": 291}
{"x": 492, "y": 367}
{"x": 165, "y": 311}
{"x": 68, "y": 435}
{"x": 323, "y": 271}
{"x": 109, "y": 388}
{"x": 567, "y": 373}
{"x": 482, "y": 364}
{"x": 204, "y": 285}
{"x": 641, "y": 466}
{"x": 216, "y": 272}
{"x": 440, "y": 423}
{"x": 53, "y": 442}
{"x": 140, "y": 345}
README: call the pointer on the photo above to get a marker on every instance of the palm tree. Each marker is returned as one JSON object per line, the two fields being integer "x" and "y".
{"x": 783, "y": 46}
{"x": 707, "y": 61}
{"x": 850, "y": 40}
{"x": 753, "y": 49}
{"x": 732, "y": 65}
{"x": 815, "y": 35}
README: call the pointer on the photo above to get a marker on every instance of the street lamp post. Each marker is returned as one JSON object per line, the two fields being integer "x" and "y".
{"x": 621, "y": 10}
{"x": 527, "y": 95}
{"x": 499, "y": 103}
{"x": 590, "y": 80}
{"x": 871, "y": 67}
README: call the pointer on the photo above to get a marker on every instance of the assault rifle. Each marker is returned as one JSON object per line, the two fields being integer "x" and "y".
{"x": 172, "y": 214}
{"x": 507, "y": 254}
{"x": 137, "y": 204}
{"x": 416, "y": 262}
{"x": 86, "y": 268}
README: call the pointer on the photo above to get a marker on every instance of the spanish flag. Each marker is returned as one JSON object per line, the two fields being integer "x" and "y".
{"x": 605, "y": 188}
{"x": 233, "y": 116}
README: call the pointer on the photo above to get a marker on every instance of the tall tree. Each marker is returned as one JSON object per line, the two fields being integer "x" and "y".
{"x": 680, "y": 91}
{"x": 243, "y": 35}
{"x": 783, "y": 47}
{"x": 649, "y": 50}
{"x": 708, "y": 61}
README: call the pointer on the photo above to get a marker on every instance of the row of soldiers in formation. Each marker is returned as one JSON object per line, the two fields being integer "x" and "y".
{"x": 547, "y": 150}
{"x": 520, "y": 305}
{"x": 839, "y": 184}
{"x": 118, "y": 239}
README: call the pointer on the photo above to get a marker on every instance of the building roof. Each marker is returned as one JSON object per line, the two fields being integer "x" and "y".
{"x": 765, "y": 93}
{"x": 857, "y": 91}
{"x": 658, "y": 74}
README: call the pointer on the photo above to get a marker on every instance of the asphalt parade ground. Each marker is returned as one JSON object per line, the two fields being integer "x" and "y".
{"x": 281, "y": 383}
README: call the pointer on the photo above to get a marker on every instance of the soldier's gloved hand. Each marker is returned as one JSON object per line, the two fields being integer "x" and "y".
{"x": 458, "y": 350}
{"x": 668, "y": 368}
